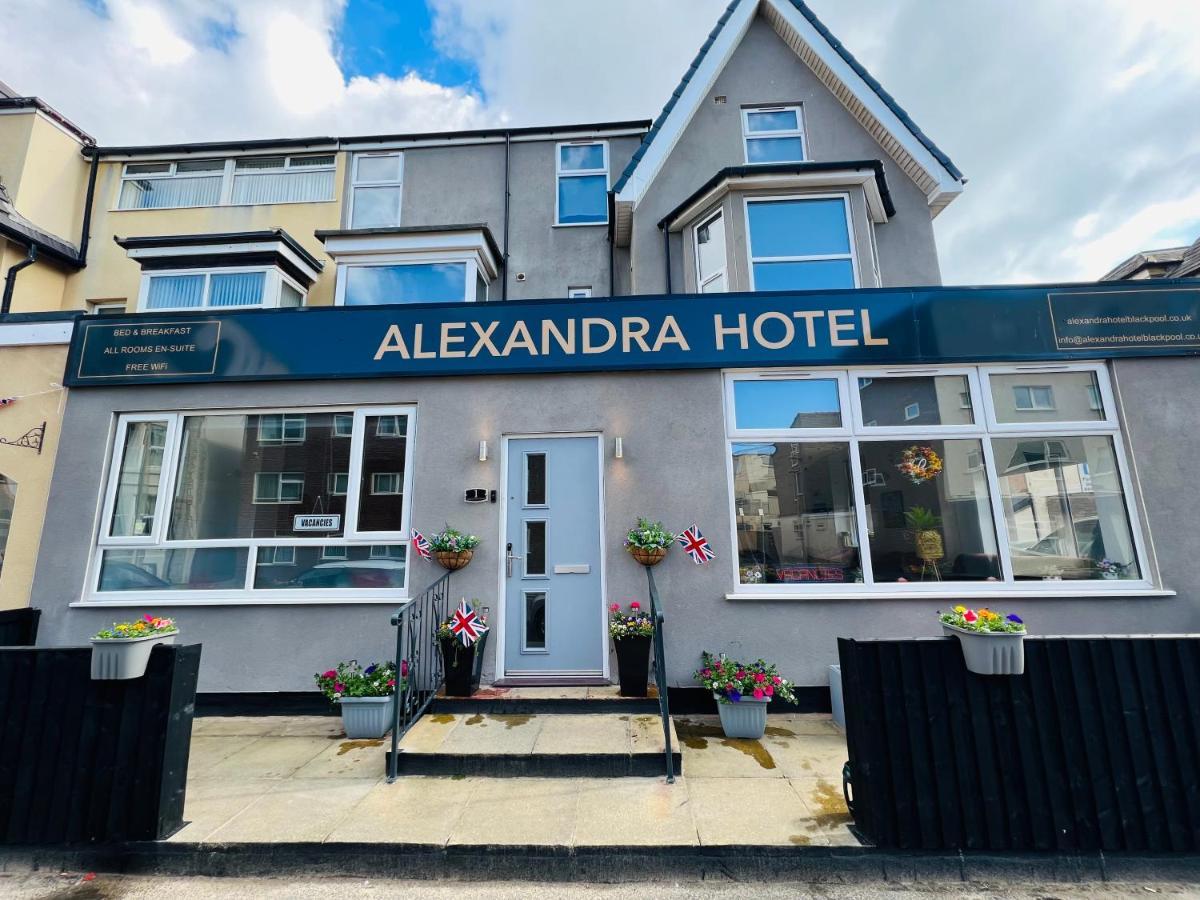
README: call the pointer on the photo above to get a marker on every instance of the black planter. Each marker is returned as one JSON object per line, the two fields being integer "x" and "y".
{"x": 633, "y": 665}
{"x": 463, "y": 666}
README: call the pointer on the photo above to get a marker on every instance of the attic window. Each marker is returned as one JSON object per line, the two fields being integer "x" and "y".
{"x": 773, "y": 134}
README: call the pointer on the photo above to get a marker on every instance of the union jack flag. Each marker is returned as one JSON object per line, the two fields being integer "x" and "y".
{"x": 466, "y": 624}
{"x": 696, "y": 545}
{"x": 420, "y": 545}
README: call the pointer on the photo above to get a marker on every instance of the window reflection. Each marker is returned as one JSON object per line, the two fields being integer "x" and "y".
{"x": 936, "y": 400}
{"x": 307, "y": 567}
{"x": 186, "y": 569}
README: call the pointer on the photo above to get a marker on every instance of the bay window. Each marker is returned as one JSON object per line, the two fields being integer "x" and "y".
{"x": 929, "y": 480}
{"x": 225, "y": 288}
{"x": 800, "y": 243}
{"x": 433, "y": 282}
{"x": 222, "y": 503}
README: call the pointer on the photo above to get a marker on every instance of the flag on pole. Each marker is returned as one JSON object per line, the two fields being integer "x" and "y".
{"x": 696, "y": 545}
{"x": 420, "y": 545}
{"x": 466, "y": 624}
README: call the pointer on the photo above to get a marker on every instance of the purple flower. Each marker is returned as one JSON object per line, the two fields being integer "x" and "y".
{"x": 1012, "y": 617}
{"x": 369, "y": 669}
{"x": 735, "y": 696}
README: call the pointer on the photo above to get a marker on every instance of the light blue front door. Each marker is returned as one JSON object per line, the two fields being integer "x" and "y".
{"x": 554, "y": 611}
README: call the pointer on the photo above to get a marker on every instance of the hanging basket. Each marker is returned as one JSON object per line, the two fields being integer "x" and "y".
{"x": 453, "y": 559}
{"x": 648, "y": 556}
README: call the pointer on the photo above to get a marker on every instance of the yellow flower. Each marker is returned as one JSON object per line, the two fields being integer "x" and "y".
{"x": 960, "y": 609}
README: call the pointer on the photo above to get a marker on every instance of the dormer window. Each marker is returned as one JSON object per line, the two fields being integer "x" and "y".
{"x": 773, "y": 134}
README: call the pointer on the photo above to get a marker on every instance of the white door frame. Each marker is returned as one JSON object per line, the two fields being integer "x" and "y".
{"x": 501, "y": 573}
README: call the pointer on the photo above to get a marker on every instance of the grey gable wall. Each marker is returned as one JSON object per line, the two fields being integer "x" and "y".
{"x": 465, "y": 184}
{"x": 764, "y": 70}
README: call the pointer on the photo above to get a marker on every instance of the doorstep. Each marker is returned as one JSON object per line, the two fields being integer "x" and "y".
{"x": 500, "y": 699}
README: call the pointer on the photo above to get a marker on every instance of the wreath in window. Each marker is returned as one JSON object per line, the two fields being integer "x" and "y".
{"x": 920, "y": 464}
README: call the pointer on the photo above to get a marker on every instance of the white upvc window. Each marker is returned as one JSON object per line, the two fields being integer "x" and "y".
{"x": 579, "y": 292}
{"x": 232, "y": 287}
{"x": 801, "y": 242}
{"x": 376, "y": 190}
{"x": 711, "y": 257}
{"x": 581, "y": 183}
{"x": 414, "y": 278}
{"x": 197, "y": 510}
{"x": 856, "y": 481}
{"x": 238, "y": 181}
{"x": 773, "y": 134}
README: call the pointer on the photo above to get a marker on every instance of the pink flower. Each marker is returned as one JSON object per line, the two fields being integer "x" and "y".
{"x": 391, "y": 682}
{"x": 770, "y": 691}
{"x": 404, "y": 667}
{"x": 635, "y": 605}
{"x": 760, "y": 677}
{"x": 616, "y": 607}
{"x": 339, "y": 687}
{"x": 758, "y": 693}
{"x": 729, "y": 688}
{"x": 741, "y": 673}
{"x": 777, "y": 680}
{"x": 969, "y": 616}
{"x": 707, "y": 673}
{"x": 330, "y": 674}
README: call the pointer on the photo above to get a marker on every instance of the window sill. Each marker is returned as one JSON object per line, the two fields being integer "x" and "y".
{"x": 956, "y": 596}
{"x": 243, "y": 601}
{"x": 580, "y": 224}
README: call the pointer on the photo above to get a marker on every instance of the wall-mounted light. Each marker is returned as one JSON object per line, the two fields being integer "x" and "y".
{"x": 483, "y": 451}
{"x": 619, "y": 448}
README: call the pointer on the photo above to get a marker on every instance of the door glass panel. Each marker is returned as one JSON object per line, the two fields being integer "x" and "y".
{"x": 919, "y": 401}
{"x": 535, "y": 548}
{"x": 1064, "y": 508}
{"x": 139, "y": 478}
{"x": 787, "y": 403}
{"x": 535, "y": 620}
{"x": 380, "y": 495}
{"x": 929, "y": 513}
{"x": 535, "y": 479}
{"x": 1047, "y": 397}
{"x": 795, "y": 513}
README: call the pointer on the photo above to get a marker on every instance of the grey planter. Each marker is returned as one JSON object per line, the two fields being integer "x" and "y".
{"x": 990, "y": 654}
{"x": 746, "y": 718}
{"x": 118, "y": 659}
{"x": 367, "y": 717}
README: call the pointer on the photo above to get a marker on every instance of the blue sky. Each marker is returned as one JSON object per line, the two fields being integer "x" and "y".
{"x": 1078, "y": 131}
{"x": 395, "y": 37}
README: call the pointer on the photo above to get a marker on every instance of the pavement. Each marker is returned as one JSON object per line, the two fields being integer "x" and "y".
{"x": 72, "y": 886}
{"x": 285, "y": 779}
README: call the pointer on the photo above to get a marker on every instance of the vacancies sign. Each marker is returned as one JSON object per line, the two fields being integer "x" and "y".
{"x": 863, "y": 327}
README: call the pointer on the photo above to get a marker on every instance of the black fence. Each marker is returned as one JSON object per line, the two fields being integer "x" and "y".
{"x": 1095, "y": 747}
{"x": 84, "y": 761}
{"x": 19, "y": 627}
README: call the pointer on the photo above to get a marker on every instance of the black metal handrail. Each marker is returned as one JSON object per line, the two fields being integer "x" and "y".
{"x": 418, "y": 654}
{"x": 660, "y": 673}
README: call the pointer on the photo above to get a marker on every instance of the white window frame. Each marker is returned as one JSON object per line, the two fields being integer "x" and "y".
{"x": 723, "y": 272}
{"x": 289, "y": 557}
{"x": 228, "y": 168}
{"x": 394, "y": 478}
{"x": 283, "y": 426}
{"x": 580, "y": 292}
{"x": 985, "y": 428}
{"x": 273, "y": 280}
{"x": 332, "y": 484}
{"x": 775, "y": 198}
{"x": 356, "y": 182}
{"x": 471, "y": 275}
{"x": 1033, "y": 406}
{"x": 168, "y": 477}
{"x": 342, "y": 417}
{"x": 798, "y": 131}
{"x": 282, "y": 478}
{"x": 560, "y": 173}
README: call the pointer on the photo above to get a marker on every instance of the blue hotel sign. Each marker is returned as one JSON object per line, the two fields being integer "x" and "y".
{"x": 864, "y": 327}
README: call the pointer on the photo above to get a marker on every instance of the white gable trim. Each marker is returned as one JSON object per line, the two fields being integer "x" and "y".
{"x": 893, "y": 135}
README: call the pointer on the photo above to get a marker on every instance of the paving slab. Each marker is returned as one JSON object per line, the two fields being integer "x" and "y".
{"x": 812, "y": 756}
{"x": 297, "y": 810}
{"x": 256, "y": 726}
{"x": 519, "y": 811}
{"x": 348, "y": 758}
{"x": 211, "y": 802}
{"x": 415, "y": 809}
{"x": 481, "y": 733}
{"x": 430, "y": 731}
{"x": 208, "y": 750}
{"x": 829, "y": 818}
{"x": 583, "y": 734}
{"x": 708, "y": 753}
{"x": 270, "y": 757}
{"x": 634, "y": 812}
{"x": 748, "y": 811}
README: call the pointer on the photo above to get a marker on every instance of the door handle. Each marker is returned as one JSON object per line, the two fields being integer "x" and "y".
{"x": 508, "y": 559}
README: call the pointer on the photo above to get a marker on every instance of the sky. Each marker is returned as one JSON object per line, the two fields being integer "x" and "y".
{"x": 1075, "y": 121}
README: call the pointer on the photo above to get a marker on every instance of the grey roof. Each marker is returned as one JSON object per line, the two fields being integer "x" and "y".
{"x": 323, "y": 233}
{"x": 1189, "y": 266}
{"x": 1176, "y": 262}
{"x": 227, "y": 237}
{"x": 15, "y": 227}
{"x": 841, "y": 50}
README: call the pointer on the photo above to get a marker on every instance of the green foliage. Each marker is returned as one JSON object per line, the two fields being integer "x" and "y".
{"x": 732, "y": 681}
{"x": 635, "y": 623}
{"x": 921, "y": 518}
{"x": 452, "y": 540}
{"x": 146, "y": 626}
{"x": 647, "y": 535}
{"x": 349, "y": 679}
{"x": 982, "y": 620}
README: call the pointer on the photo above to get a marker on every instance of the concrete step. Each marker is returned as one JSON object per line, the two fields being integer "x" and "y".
{"x": 564, "y": 700}
{"x": 556, "y": 745}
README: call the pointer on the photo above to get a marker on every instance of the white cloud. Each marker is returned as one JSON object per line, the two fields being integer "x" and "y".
{"x": 1077, "y": 127}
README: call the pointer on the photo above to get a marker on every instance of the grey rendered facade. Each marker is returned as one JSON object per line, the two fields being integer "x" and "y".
{"x": 675, "y": 465}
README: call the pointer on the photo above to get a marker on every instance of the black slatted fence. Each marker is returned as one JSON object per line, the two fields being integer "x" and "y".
{"x": 1095, "y": 747}
{"x": 83, "y": 760}
{"x": 19, "y": 627}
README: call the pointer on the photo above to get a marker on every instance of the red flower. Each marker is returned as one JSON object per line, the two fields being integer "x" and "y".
{"x": 970, "y": 616}
{"x": 741, "y": 673}
{"x": 616, "y": 607}
{"x": 770, "y": 691}
{"x": 760, "y": 677}
{"x": 330, "y": 674}
{"x": 339, "y": 687}
{"x": 777, "y": 680}
{"x": 758, "y": 693}
{"x": 635, "y": 605}
{"x": 404, "y": 667}
{"x": 391, "y": 682}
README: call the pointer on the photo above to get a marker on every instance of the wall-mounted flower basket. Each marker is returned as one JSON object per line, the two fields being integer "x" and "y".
{"x": 648, "y": 556}
{"x": 453, "y": 559}
{"x": 123, "y": 651}
{"x": 991, "y": 644}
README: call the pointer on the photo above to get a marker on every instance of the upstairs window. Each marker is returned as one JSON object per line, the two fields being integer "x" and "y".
{"x": 249, "y": 180}
{"x": 375, "y": 191}
{"x": 710, "y": 255}
{"x": 800, "y": 243}
{"x": 432, "y": 282}
{"x": 773, "y": 134}
{"x": 218, "y": 289}
{"x": 582, "y": 183}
